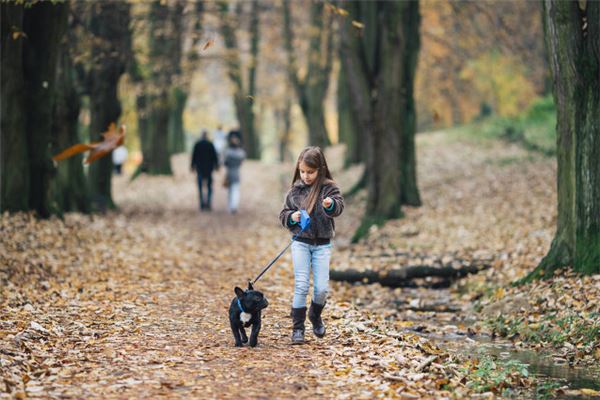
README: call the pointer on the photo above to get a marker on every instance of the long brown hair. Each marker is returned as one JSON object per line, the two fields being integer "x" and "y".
{"x": 313, "y": 157}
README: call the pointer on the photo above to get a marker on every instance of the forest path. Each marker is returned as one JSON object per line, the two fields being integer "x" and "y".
{"x": 135, "y": 304}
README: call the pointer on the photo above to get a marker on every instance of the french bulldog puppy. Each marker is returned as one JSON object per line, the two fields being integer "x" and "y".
{"x": 245, "y": 310}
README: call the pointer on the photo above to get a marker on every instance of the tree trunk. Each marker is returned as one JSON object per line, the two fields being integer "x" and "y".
{"x": 347, "y": 123}
{"x": 110, "y": 26}
{"x": 156, "y": 90}
{"x": 311, "y": 90}
{"x": 572, "y": 31}
{"x": 177, "y": 92}
{"x": 44, "y": 23}
{"x": 158, "y": 131}
{"x": 380, "y": 62}
{"x": 243, "y": 94}
{"x": 404, "y": 276}
{"x": 14, "y": 167}
{"x": 177, "y": 101}
{"x": 69, "y": 188}
{"x": 283, "y": 124}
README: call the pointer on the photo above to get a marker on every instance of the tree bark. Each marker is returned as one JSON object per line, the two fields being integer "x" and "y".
{"x": 177, "y": 100}
{"x": 312, "y": 89}
{"x": 244, "y": 93}
{"x": 347, "y": 123}
{"x": 403, "y": 276}
{"x": 14, "y": 166}
{"x": 69, "y": 187}
{"x": 380, "y": 61}
{"x": 572, "y": 31}
{"x": 44, "y": 24}
{"x": 283, "y": 124}
{"x": 110, "y": 26}
{"x": 178, "y": 92}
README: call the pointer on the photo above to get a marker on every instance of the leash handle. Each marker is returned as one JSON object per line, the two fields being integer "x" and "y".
{"x": 304, "y": 223}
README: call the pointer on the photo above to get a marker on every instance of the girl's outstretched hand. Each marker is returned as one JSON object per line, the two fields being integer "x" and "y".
{"x": 327, "y": 202}
{"x": 296, "y": 216}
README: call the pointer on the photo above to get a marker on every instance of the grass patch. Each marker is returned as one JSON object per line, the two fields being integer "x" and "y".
{"x": 534, "y": 129}
{"x": 489, "y": 374}
{"x": 546, "y": 390}
{"x": 551, "y": 328}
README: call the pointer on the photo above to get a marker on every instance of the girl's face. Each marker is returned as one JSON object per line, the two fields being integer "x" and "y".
{"x": 307, "y": 174}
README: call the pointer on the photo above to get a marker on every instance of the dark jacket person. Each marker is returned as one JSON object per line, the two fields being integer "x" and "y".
{"x": 204, "y": 162}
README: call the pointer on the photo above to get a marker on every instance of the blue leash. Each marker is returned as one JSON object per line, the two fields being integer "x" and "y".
{"x": 304, "y": 222}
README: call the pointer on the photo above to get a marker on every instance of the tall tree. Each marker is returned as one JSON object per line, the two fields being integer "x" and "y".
{"x": 14, "y": 167}
{"x": 179, "y": 90}
{"x": 109, "y": 23}
{"x": 380, "y": 44}
{"x": 69, "y": 187}
{"x": 312, "y": 88}
{"x": 572, "y": 31}
{"x": 31, "y": 37}
{"x": 244, "y": 86}
{"x": 353, "y": 138}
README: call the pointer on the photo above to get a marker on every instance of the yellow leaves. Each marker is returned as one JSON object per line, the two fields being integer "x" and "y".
{"x": 430, "y": 348}
{"x": 499, "y": 293}
{"x": 343, "y": 372}
{"x": 503, "y": 80}
{"x": 336, "y": 10}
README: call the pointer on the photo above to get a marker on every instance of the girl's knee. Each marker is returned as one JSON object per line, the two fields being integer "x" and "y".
{"x": 301, "y": 288}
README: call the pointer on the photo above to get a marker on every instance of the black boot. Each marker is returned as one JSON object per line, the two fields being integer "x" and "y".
{"x": 298, "y": 318}
{"x": 314, "y": 315}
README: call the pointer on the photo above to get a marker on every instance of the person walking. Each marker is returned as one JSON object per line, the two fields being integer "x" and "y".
{"x": 313, "y": 190}
{"x": 233, "y": 158}
{"x": 220, "y": 142}
{"x": 204, "y": 162}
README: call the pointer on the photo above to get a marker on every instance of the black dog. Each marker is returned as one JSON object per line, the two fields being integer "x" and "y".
{"x": 245, "y": 310}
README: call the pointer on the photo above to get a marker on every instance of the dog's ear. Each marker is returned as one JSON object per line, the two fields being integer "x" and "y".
{"x": 238, "y": 292}
{"x": 250, "y": 287}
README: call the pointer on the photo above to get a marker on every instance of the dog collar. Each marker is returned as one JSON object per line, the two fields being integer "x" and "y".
{"x": 240, "y": 305}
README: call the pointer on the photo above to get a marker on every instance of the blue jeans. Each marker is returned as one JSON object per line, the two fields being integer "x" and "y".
{"x": 207, "y": 179}
{"x": 234, "y": 196}
{"x": 306, "y": 257}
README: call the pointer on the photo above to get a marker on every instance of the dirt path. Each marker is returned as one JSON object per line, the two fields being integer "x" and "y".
{"x": 134, "y": 304}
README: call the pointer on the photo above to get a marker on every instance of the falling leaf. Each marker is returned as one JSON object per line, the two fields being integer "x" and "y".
{"x": 112, "y": 140}
{"x": 358, "y": 25}
{"x": 18, "y": 34}
{"x": 208, "y": 44}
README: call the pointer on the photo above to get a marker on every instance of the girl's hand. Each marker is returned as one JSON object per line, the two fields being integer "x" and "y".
{"x": 296, "y": 216}
{"x": 327, "y": 202}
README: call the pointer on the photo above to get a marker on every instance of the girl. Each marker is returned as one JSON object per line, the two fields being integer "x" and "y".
{"x": 314, "y": 190}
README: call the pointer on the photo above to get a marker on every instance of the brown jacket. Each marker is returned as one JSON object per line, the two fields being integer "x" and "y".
{"x": 321, "y": 221}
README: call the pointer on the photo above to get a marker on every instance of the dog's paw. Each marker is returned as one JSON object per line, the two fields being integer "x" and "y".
{"x": 253, "y": 343}
{"x": 239, "y": 344}
{"x": 245, "y": 340}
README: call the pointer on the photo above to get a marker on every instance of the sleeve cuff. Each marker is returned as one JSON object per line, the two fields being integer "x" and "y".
{"x": 331, "y": 207}
{"x": 291, "y": 221}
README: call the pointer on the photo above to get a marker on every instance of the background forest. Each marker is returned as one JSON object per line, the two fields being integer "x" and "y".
{"x": 464, "y": 136}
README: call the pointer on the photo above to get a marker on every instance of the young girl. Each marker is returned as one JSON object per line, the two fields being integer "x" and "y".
{"x": 313, "y": 190}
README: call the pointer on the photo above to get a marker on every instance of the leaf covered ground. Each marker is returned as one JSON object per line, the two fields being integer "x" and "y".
{"x": 134, "y": 303}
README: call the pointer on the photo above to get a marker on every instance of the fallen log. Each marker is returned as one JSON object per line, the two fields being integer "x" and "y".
{"x": 402, "y": 277}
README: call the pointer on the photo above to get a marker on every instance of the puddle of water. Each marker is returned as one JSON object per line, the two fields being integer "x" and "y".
{"x": 540, "y": 364}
